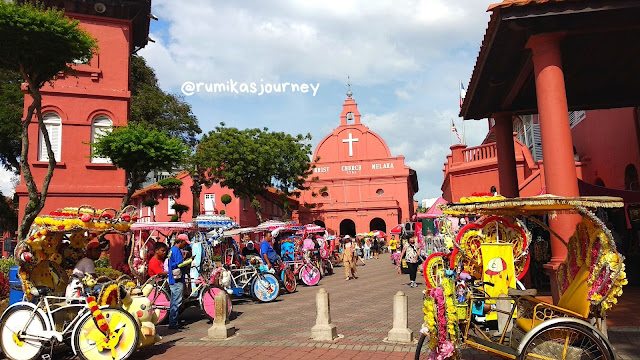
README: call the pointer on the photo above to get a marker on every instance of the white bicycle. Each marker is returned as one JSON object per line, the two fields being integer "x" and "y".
{"x": 93, "y": 332}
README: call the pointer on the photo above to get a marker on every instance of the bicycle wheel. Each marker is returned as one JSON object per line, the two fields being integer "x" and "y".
{"x": 13, "y": 323}
{"x": 208, "y": 303}
{"x": 310, "y": 275}
{"x": 433, "y": 269}
{"x": 566, "y": 341}
{"x": 422, "y": 349}
{"x": 91, "y": 343}
{"x": 265, "y": 287}
{"x": 289, "y": 280}
{"x": 161, "y": 300}
{"x": 329, "y": 266}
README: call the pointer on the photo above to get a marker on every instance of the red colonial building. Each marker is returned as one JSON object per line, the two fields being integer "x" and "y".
{"x": 77, "y": 108}
{"x": 358, "y": 186}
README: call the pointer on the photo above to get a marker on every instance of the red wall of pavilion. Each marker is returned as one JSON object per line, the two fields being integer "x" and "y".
{"x": 99, "y": 88}
{"x": 607, "y": 141}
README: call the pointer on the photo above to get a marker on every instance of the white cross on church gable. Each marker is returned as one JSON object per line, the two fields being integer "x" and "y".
{"x": 350, "y": 140}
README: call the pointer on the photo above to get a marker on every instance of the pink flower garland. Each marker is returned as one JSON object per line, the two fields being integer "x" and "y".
{"x": 446, "y": 348}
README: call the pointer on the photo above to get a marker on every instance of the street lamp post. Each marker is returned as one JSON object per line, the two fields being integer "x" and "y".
{"x": 196, "y": 188}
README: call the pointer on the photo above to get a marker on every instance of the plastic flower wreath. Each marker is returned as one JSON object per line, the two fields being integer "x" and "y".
{"x": 441, "y": 321}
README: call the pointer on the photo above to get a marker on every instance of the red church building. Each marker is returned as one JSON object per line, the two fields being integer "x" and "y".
{"x": 358, "y": 186}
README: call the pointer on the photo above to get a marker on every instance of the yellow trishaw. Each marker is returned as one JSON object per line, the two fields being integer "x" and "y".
{"x": 589, "y": 282}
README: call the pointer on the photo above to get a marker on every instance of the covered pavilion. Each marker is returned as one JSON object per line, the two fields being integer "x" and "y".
{"x": 549, "y": 57}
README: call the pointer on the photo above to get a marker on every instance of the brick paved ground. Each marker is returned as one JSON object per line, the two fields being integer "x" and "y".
{"x": 361, "y": 310}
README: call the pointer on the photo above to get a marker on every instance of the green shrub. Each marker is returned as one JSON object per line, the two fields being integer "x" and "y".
{"x": 216, "y": 258}
{"x": 170, "y": 183}
{"x": 6, "y": 265}
{"x": 108, "y": 272}
{"x": 103, "y": 262}
{"x": 150, "y": 202}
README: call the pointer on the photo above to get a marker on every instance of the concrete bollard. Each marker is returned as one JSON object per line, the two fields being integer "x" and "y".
{"x": 221, "y": 328}
{"x": 400, "y": 333}
{"x": 324, "y": 330}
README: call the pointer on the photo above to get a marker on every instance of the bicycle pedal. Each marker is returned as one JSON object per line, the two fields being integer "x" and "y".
{"x": 46, "y": 357}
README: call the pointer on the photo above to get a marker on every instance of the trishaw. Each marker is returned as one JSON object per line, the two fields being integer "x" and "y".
{"x": 98, "y": 318}
{"x": 589, "y": 282}
{"x": 199, "y": 288}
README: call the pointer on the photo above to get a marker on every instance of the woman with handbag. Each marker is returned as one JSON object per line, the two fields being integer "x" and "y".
{"x": 411, "y": 256}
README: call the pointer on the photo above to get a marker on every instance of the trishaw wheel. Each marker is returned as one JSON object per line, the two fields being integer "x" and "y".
{"x": 310, "y": 275}
{"x": 566, "y": 342}
{"x": 289, "y": 280}
{"x": 161, "y": 300}
{"x": 422, "y": 349}
{"x": 265, "y": 287}
{"x": 124, "y": 335}
{"x": 208, "y": 304}
{"x": 434, "y": 268}
{"x": 13, "y": 322}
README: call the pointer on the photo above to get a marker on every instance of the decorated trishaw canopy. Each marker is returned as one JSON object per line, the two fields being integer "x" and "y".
{"x": 532, "y": 205}
{"x": 214, "y": 222}
{"x": 164, "y": 226}
{"x": 376, "y": 233}
{"x": 310, "y": 228}
{"x": 238, "y": 231}
{"x": 271, "y": 225}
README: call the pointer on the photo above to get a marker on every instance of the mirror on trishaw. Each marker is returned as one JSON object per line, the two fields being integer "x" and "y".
{"x": 475, "y": 300}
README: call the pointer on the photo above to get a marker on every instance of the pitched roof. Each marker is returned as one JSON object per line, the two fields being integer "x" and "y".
{"x": 155, "y": 186}
{"x": 508, "y": 3}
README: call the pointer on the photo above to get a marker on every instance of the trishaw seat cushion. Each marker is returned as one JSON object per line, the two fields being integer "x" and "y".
{"x": 576, "y": 297}
{"x": 525, "y": 324}
{"x": 516, "y": 292}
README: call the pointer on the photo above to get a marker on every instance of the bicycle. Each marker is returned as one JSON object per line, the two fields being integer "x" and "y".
{"x": 93, "y": 332}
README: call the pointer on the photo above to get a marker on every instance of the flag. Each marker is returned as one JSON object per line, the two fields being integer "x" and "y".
{"x": 463, "y": 93}
{"x": 455, "y": 131}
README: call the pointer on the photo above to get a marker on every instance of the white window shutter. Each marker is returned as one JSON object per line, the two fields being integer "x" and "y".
{"x": 170, "y": 201}
{"x": 54, "y": 128}
{"x": 101, "y": 126}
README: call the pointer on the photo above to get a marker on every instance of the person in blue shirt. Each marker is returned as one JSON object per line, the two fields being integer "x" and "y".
{"x": 176, "y": 277}
{"x": 268, "y": 253}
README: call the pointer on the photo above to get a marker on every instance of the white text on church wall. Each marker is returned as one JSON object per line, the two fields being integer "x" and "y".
{"x": 381, "y": 166}
{"x": 324, "y": 169}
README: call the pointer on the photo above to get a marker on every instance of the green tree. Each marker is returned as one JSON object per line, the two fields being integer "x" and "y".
{"x": 159, "y": 110}
{"x": 226, "y": 200}
{"x": 151, "y": 203}
{"x": 8, "y": 215}
{"x": 11, "y": 103}
{"x": 38, "y": 44}
{"x": 249, "y": 161}
{"x": 139, "y": 150}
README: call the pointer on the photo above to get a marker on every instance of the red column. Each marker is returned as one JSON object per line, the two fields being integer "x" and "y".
{"x": 506, "y": 156}
{"x": 557, "y": 146}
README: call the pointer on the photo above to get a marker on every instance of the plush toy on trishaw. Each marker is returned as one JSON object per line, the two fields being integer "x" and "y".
{"x": 98, "y": 318}
{"x": 482, "y": 285}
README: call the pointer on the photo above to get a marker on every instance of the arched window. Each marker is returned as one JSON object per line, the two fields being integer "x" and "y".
{"x": 100, "y": 126}
{"x": 53, "y": 123}
{"x": 631, "y": 178}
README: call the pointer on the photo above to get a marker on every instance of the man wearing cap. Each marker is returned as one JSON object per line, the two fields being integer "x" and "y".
{"x": 83, "y": 267}
{"x": 176, "y": 277}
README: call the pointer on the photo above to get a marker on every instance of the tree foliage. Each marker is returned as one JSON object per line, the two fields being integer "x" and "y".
{"x": 251, "y": 160}
{"x": 225, "y": 199}
{"x": 38, "y": 44}
{"x": 156, "y": 109}
{"x": 139, "y": 150}
{"x": 8, "y": 215}
{"x": 11, "y": 106}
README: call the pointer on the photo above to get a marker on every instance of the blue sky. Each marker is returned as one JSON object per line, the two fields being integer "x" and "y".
{"x": 405, "y": 60}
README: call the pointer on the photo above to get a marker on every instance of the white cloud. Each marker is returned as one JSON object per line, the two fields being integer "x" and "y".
{"x": 7, "y": 182}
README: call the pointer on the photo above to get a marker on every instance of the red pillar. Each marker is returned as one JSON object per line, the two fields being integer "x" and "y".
{"x": 506, "y": 156}
{"x": 557, "y": 146}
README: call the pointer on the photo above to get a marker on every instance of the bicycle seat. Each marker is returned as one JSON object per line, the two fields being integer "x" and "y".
{"x": 516, "y": 292}
{"x": 41, "y": 291}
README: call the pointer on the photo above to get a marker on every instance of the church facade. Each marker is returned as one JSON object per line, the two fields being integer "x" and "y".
{"x": 357, "y": 186}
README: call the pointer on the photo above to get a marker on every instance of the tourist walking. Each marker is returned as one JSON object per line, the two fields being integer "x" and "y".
{"x": 359, "y": 253}
{"x": 348, "y": 259}
{"x": 375, "y": 247}
{"x": 410, "y": 254}
{"x": 367, "y": 249}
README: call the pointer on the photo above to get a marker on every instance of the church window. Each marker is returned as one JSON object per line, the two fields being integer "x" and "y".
{"x": 100, "y": 126}
{"x": 379, "y": 192}
{"x": 53, "y": 123}
{"x": 325, "y": 194}
{"x": 350, "y": 118}
{"x": 170, "y": 201}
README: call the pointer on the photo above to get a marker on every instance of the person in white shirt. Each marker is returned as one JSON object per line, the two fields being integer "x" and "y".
{"x": 83, "y": 267}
